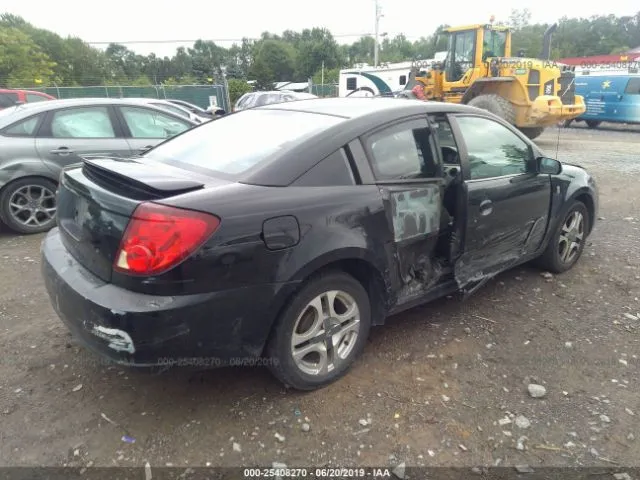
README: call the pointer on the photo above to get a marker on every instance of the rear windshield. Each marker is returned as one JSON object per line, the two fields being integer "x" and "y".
{"x": 233, "y": 145}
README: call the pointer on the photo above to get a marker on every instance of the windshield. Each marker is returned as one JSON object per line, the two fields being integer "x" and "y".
{"x": 235, "y": 144}
{"x": 494, "y": 43}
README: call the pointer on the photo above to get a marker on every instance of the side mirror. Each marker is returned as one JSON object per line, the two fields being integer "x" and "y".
{"x": 548, "y": 166}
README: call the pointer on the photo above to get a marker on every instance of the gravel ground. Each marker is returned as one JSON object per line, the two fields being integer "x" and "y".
{"x": 445, "y": 384}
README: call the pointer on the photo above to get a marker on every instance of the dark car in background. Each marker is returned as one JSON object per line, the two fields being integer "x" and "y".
{"x": 38, "y": 139}
{"x": 209, "y": 250}
{"x": 11, "y": 97}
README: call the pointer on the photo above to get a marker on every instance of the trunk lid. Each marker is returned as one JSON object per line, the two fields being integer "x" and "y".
{"x": 96, "y": 201}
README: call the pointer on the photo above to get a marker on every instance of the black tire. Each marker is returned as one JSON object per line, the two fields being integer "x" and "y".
{"x": 8, "y": 217}
{"x": 279, "y": 353}
{"x": 495, "y": 104}
{"x": 532, "y": 132}
{"x": 593, "y": 123}
{"x": 551, "y": 258}
{"x": 567, "y": 123}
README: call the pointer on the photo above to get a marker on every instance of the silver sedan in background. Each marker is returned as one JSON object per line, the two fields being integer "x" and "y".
{"x": 38, "y": 140}
{"x": 258, "y": 99}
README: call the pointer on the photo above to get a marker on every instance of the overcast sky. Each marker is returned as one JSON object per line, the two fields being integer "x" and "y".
{"x": 140, "y": 20}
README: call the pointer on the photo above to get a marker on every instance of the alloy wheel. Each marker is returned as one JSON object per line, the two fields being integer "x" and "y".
{"x": 325, "y": 333}
{"x": 571, "y": 236}
{"x": 33, "y": 205}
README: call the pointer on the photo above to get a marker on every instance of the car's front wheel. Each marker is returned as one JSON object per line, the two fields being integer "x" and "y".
{"x": 566, "y": 245}
{"x": 28, "y": 205}
{"x": 320, "y": 333}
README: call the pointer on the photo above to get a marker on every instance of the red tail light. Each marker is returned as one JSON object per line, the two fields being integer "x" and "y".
{"x": 159, "y": 237}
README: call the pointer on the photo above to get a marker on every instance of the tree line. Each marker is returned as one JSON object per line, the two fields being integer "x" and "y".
{"x": 34, "y": 57}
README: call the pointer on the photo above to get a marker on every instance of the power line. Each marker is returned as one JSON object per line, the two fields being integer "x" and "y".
{"x": 133, "y": 42}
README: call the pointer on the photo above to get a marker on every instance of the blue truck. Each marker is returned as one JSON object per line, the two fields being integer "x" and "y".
{"x": 609, "y": 96}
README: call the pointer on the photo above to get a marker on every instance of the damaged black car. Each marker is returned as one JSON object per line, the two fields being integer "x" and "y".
{"x": 282, "y": 234}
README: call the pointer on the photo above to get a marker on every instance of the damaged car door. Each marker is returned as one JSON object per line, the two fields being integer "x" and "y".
{"x": 409, "y": 176}
{"x": 507, "y": 201}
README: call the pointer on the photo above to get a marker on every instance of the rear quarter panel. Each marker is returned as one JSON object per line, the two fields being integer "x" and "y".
{"x": 19, "y": 158}
{"x": 335, "y": 223}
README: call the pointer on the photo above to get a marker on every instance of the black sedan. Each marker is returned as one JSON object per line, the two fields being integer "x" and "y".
{"x": 279, "y": 235}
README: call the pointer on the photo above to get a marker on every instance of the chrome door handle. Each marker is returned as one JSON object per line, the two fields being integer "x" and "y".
{"x": 486, "y": 207}
{"x": 61, "y": 151}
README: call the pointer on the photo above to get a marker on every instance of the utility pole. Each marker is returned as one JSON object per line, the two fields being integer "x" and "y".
{"x": 378, "y": 16}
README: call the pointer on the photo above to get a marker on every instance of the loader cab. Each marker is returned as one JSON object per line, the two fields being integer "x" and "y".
{"x": 470, "y": 46}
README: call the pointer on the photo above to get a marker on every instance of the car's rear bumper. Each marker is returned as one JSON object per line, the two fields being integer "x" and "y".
{"x": 212, "y": 329}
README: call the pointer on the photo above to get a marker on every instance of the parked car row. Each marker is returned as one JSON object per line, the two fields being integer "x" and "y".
{"x": 37, "y": 140}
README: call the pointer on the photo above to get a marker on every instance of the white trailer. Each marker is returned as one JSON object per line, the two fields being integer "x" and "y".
{"x": 367, "y": 81}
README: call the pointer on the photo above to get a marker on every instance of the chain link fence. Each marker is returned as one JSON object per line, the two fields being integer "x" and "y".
{"x": 325, "y": 90}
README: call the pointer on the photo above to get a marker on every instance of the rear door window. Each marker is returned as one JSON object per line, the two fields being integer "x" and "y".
{"x": 25, "y": 128}
{"x": 83, "y": 122}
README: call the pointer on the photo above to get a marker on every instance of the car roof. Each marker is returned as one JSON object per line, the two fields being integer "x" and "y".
{"x": 368, "y": 106}
{"x": 27, "y": 109}
{"x": 359, "y": 116}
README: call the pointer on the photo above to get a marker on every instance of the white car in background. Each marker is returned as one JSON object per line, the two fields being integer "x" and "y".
{"x": 258, "y": 99}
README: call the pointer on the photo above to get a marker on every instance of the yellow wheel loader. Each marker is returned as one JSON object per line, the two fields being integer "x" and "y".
{"x": 479, "y": 70}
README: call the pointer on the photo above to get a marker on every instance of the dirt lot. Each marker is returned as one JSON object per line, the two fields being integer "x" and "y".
{"x": 441, "y": 385}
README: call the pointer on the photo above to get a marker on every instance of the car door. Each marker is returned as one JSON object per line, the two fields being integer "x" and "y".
{"x": 407, "y": 171}
{"x": 144, "y": 128}
{"x": 507, "y": 203}
{"x": 69, "y": 134}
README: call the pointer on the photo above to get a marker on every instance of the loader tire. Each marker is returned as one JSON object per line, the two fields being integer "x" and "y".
{"x": 532, "y": 132}
{"x": 495, "y": 104}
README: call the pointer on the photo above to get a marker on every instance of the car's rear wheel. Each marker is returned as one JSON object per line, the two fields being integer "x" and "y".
{"x": 29, "y": 205}
{"x": 593, "y": 123}
{"x": 566, "y": 245}
{"x": 320, "y": 333}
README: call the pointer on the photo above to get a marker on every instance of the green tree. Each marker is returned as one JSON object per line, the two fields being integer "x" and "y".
{"x": 274, "y": 61}
{"x": 330, "y": 76}
{"x": 397, "y": 49}
{"x": 22, "y": 62}
{"x": 206, "y": 59}
{"x": 315, "y": 47}
{"x": 361, "y": 51}
{"x": 237, "y": 88}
